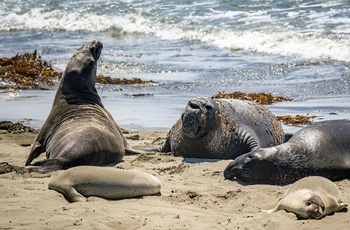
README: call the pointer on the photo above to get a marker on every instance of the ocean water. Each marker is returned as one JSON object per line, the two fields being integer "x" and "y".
{"x": 299, "y": 49}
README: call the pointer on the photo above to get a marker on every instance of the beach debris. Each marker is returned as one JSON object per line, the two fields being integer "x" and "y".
{"x": 261, "y": 98}
{"x": 120, "y": 81}
{"x": 297, "y": 119}
{"x": 27, "y": 71}
{"x": 6, "y": 168}
{"x": 138, "y": 95}
{"x": 16, "y": 127}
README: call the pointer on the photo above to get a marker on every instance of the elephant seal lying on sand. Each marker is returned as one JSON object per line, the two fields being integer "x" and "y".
{"x": 79, "y": 130}
{"x": 311, "y": 197}
{"x": 79, "y": 182}
{"x": 222, "y": 129}
{"x": 321, "y": 149}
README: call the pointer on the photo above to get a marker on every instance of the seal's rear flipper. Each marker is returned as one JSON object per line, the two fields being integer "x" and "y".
{"x": 133, "y": 151}
{"x": 269, "y": 211}
{"x": 49, "y": 165}
{"x": 165, "y": 148}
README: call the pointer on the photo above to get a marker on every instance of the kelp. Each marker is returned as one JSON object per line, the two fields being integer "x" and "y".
{"x": 27, "y": 71}
{"x": 120, "y": 81}
{"x": 296, "y": 120}
{"x": 261, "y": 98}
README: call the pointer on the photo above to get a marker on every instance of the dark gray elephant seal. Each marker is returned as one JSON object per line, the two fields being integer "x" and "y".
{"x": 222, "y": 129}
{"x": 78, "y": 130}
{"x": 321, "y": 149}
{"x": 311, "y": 197}
{"x": 79, "y": 182}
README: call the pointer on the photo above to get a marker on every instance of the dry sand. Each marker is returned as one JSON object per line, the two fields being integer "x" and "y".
{"x": 194, "y": 195}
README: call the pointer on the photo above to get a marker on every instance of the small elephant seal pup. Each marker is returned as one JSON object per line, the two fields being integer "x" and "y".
{"x": 79, "y": 130}
{"x": 222, "y": 129}
{"x": 311, "y": 197}
{"x": 80, "y": 182}
{"x": 320, "y": 149}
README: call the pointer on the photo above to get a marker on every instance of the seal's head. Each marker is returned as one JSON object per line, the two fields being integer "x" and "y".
{"x": 80, "y": 74}
{"x": 199, "y": 117}
{"x": 305, "y": 204}
{"x": 252, "y": 167}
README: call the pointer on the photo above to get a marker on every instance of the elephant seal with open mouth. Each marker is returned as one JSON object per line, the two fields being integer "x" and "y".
{"x": 222, "y": 129}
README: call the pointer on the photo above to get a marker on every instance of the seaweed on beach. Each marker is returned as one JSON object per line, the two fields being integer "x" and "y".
{"x": 120, "y": 81}
{"x": 261, "y": 98}
{"x": 16, "y": 127}
{"x": 296, "y": 120}
{"x": 27, "y": 71}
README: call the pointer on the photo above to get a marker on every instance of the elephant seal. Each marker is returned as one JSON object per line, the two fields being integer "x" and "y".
{"x": 222, "y": 129}
{"x": 79, "y": 130}
{"x": 321, "y": 149}
{"x": 311, "y": 197}
{"x": 79, "y": 182}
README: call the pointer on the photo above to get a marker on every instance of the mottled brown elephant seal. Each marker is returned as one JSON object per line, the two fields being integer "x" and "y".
{"x": 80, "y": 182}
{"x": 222, "y": 129}
{"x": 311, "y": 197}
{"x": 321, "y": 149}
{"x": 79, "y": 130}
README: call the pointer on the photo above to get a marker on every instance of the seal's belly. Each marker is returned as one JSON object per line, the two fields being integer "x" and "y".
{"x": 92, "y": 143}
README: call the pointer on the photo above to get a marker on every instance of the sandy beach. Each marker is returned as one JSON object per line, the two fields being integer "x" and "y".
{"x": 194, "y": 195}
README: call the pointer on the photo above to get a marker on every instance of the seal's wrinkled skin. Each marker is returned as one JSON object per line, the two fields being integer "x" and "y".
{"x": 321, "y": 149}
{"x": 222, "y": 129}
{"x": 311, "y": 197}
{"x": 78, "y": 130}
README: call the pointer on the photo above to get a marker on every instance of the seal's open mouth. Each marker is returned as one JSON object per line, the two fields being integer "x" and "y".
{"x": 96, "y": 51}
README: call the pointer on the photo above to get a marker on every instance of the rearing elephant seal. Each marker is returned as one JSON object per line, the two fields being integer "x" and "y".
{"x": 78, "y": 130}
{"x": 321, "y": 149}
{"x": 107, "y": 182}
{"x": 222, "y": 129}
{"x": 311, "y": 197}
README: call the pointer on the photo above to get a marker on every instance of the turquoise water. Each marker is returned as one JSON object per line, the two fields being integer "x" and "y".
{"x": 299, "y": 49}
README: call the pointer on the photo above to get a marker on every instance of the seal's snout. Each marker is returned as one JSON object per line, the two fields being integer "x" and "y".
{"x": 194, "y": 105}
{"x": 232, "y": 170}
{"x": 96, "y": 49}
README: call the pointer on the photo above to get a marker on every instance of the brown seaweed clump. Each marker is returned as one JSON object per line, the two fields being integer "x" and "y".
{"x": 296, "y": 120}
{"x": 27, "y": 71}
{"x": 261, "y": 98}
{"x": 17, "y": 127}
{"x": 120, "y": 81}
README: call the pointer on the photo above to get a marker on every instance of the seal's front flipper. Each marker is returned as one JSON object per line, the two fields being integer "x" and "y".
{"x": 73, "y": 196}
{"x": 37, "y": 149}
{"x": 49, "y": 165}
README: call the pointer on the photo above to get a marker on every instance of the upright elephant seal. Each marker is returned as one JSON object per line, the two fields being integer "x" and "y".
{"x": 222, "y": 129}
{"x": 106, "y": 182}
{"x": 311, "y": 197}
{"x": 321, "y": 149}
{"x": 78, "y": 130}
